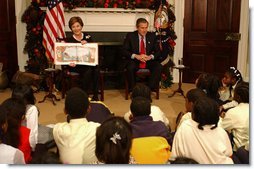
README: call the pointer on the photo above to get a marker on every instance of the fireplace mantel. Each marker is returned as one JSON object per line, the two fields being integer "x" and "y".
{"x": 114, "y": 10}
{"x": 109, "y": 19}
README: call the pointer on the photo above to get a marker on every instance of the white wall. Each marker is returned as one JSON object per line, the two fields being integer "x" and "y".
{"x": 20, "y": 7}
{"x": 243, "y": 63}
{"x": 179, "y": 13}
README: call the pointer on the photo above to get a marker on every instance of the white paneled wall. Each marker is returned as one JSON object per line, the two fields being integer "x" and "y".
{"x": 20, "y": 7}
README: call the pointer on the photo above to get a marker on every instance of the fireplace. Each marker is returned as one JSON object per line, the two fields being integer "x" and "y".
{"x": 110, "y": 47}
{"x": 110, "y": 56}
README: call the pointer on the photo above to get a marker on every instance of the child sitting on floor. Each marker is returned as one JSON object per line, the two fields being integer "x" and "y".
{"x": 151, "y": 139}
{"x": 198, "y": 138}
{"x": 98, "y": 112}
{"x": 230, "y": 80}
{"x": 191, "y": 96}
{"x": 113, "y": 142}
{"x": 141, "y": 90}
{"x": 17, "y": 136}
{"x": 9, "y": 154}
{"x": 236, "y": 120}
{"x": 210, "y": 84}
{"x": 75, "y": 138}
{"x": 39, "y": 133}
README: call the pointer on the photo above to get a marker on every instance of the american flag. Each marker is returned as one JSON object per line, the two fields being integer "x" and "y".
{"x": 53, "y": 26}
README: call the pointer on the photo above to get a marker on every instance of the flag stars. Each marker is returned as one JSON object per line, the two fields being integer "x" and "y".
{"x": 53, "y": 3}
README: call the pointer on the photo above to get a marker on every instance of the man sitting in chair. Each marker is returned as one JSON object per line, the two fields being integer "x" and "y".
{"x": 142, "y": 51}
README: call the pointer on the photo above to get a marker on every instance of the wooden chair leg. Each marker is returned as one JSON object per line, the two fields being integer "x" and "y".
{"x": 126, "y": 93}
{"x": 126, "y": 85}
{"x": 158, "y": 93}
{"x": 67, "y": 83}
{"x": 64, "y": 88}
{"x": 102, "y": 86}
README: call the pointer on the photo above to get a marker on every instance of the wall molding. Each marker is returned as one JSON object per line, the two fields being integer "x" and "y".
{"x": 179, "y": 29}
{"x": 243, "y": 62}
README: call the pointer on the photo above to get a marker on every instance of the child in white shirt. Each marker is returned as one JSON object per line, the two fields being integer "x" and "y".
{"x": 231, "y": 78}
{"x": 236, "y": 120}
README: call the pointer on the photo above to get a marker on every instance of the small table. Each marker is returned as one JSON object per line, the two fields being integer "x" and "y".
{"x": 180, "y": 68}
{"x": 50, "y": 75}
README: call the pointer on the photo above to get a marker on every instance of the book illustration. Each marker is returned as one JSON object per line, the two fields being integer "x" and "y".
{"x": 67, "y": 53}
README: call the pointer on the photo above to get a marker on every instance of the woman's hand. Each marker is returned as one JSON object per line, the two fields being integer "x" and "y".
{"x": 83, "y": 42}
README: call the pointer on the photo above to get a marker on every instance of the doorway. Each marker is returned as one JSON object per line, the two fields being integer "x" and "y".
{"x": 211, "y": 35}
{"x": 8, "y": 42}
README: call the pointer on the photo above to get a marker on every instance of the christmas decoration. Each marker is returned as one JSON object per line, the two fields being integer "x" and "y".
{"x": 34, "y": 18}
{"x": 164, "y": 24}
{"x": 131, "y": 4}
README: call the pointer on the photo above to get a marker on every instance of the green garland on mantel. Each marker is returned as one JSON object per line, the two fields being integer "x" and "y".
{"x": 131, "y": 4}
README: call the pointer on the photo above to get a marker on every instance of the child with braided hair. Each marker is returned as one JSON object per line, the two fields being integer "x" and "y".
{"x": 230, "y": 80}
{"x": 198, "y": 138}
{"x": 211, "y": 85}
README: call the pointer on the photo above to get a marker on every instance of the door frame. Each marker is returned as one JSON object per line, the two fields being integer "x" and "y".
{"x": 243, "y": 47}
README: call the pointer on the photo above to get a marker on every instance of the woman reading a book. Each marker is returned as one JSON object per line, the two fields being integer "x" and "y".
{"x": 89, "y": 75}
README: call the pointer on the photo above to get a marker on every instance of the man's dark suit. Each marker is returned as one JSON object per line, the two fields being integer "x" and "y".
{"x": 131, "y": 46}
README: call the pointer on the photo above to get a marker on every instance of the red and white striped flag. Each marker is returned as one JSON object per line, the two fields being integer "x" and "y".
{"x": 53, "y": 26}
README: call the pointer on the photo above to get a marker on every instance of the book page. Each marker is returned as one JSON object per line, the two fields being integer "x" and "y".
{"x": 67, "y": 53}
